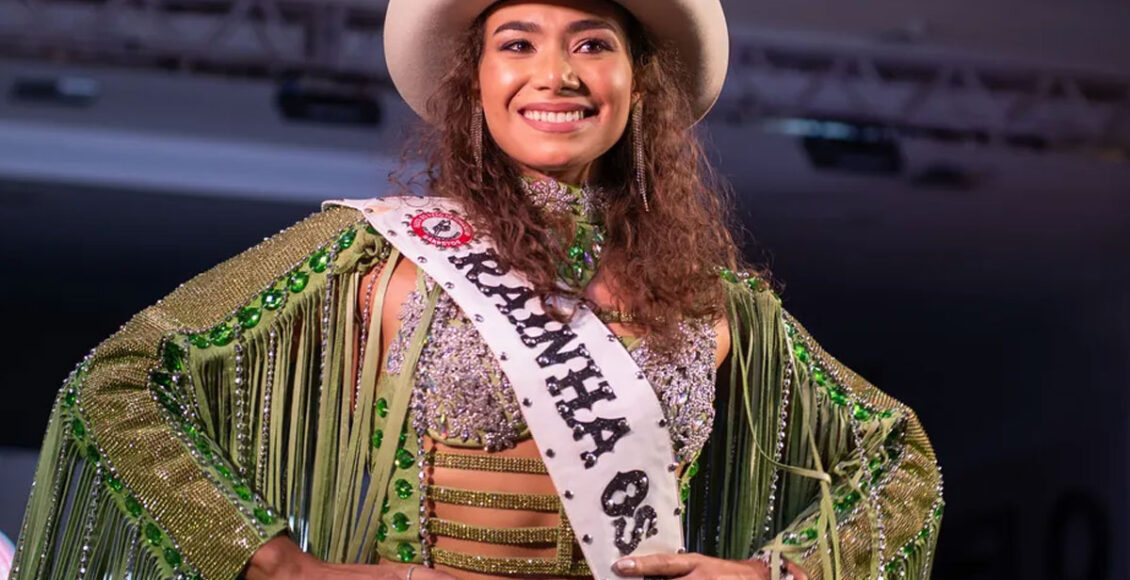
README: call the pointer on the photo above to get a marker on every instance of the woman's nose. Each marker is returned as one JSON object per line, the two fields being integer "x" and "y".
{"x": 556, "y": 73}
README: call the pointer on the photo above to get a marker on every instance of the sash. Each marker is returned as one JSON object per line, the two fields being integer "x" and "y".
{"x": 597, "y": 421}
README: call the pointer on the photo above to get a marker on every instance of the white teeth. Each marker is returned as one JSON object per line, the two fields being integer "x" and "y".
{"x": 549, "y": 117}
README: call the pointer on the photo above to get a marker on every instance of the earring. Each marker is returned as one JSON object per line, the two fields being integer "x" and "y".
{"x": 477, "y": 135}
{"x": 637, "y": 146}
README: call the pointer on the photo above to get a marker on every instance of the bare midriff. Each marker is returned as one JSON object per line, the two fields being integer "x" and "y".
{"x": 519, "y": 483}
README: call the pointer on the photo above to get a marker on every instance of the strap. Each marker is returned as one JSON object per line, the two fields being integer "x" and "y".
{"x": 596, "y": 420}
{"x": 533, "y": 502}
{"x": 508, "y": 566}
{"x": 487, "y": 463}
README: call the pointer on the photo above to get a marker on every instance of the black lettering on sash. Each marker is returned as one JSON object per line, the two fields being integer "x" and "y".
{"x": 633, "y": 486}
{"x": 485, "y": 262}
{"x": 583, "y": 397}
{"x": 513, "y": 298}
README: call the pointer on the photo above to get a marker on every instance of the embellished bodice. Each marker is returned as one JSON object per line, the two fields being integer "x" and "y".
{"x": 466, "y": 400}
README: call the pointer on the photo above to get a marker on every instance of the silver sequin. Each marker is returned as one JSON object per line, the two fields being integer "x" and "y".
{"x": 468, "y": 399}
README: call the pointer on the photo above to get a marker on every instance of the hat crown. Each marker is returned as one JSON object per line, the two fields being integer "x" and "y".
{"x": 419, "y": 50}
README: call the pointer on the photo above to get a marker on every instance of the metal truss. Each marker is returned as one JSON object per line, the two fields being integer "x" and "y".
{"x": 940, "y": 97}
{"x": 944, "y": 95}
{"x": 246, "y": 37}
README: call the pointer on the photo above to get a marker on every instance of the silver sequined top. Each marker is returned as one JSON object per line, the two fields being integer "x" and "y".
{"x": 467, "y": 400}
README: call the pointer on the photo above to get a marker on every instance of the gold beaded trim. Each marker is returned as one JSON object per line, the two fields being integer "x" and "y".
{"x": 489, "y": 463}
{"x": 508, "y": 566}
{"x": 510, "y": 536}
{"x": 536, "y": 502}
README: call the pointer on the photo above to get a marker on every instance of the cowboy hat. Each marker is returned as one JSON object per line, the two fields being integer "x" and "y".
{"x": 419, "y": 48}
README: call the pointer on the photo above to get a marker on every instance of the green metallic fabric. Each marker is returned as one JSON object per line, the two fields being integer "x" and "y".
{"x": 221, "y": 417}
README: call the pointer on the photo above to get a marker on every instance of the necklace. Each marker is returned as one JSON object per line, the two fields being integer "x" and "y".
{"x": 588, "y": 240}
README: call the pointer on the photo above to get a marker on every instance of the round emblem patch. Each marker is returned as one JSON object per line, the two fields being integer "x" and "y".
{"x": 442, "y": 229}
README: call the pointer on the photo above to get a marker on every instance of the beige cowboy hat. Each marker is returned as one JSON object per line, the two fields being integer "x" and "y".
{"x": 416, "y": 31}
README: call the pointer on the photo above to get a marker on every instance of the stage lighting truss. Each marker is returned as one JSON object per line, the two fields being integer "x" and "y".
{"x": 908, "y": 88}
{"x": 242, "y": 37}
{"x": 947, "y": 98}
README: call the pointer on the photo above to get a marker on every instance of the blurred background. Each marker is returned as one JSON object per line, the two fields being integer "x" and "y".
{"x": 943, "y": 187}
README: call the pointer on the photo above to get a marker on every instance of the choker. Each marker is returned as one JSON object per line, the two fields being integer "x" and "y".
{"x": 588, "y": 241}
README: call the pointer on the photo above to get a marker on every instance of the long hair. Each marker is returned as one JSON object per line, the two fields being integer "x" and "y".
{"x": 661, "y": 265}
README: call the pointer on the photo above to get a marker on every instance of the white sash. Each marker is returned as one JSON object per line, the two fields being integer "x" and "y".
{"x": 595, "y": 418}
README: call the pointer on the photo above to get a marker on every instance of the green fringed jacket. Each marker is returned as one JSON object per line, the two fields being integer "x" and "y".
{"x": 220, "y": 417}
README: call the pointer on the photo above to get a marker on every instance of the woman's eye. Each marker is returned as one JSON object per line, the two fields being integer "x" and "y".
{"x": 594, "y": 45}
{"x": 517, "y": 46}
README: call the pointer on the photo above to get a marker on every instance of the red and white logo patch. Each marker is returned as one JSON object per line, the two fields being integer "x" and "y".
{"x": 442, "y": 229}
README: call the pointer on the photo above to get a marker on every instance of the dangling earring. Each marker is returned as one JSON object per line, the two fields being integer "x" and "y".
{"x": 637, "y": 146}
{"x": 477, "y": 136}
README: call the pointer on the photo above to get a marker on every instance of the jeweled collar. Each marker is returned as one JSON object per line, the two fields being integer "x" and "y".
{"x": 554, "y": 196}
{"x": 583, "y": 202}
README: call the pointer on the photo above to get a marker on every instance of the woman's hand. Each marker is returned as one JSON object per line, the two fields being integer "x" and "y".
{"x": 698, "y": 567}
{"x": 282, "y": 559}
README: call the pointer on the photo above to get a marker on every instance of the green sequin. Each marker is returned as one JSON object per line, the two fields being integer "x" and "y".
{"x": 382, "y": 407}
{"x": 78, "y": 428}
{"x": 378, "y": 436}
{"x": 200, "y": 340}
{"x": 384, "y": 506}
{"x": 403, "y": 489}
{"x": 685, "y": 493}
{"x": 399, "y": 522}
{"x": 860, "y": 412}
{"x": 808, "y": 534}
{"x": 250, "y": 316}
{"x": 298, "y": 281}
{"x": 692, "y": 469}
{"x": 801, "y": 353}
{"x": 729, "y": 276}
{"x": 838, "y": 396}
{"x": 173, "y": 357}
{"x": 114, "y": 483}
{"x": 820, "y": 378}
{"x": 345, "y": 240}
{"x": 320, "y": 261}
{"x": 153, "y": 534}
{"x": 243, "y": 492}
{"x": 576, "y": 252}
{"x": 69, "y": 399}
{"x": 264, "y": 516}
{"x": 791, "y": 540}
{"x": 161, "y": 378}
{"x": 222, "y": 335}
{"x": 92, "y": 454}
{"x": 382, "y": 532}
{"x": 273, "y": 299}
{"x": 405, "y": 552}
{"x": 224, "y": 471}
{"x": 172, "y": 558}
{"x": 133, "y": 506}
{"x": 404, "y": 459}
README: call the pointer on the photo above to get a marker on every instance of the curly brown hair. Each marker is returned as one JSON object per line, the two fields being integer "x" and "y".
{"x": 661, "y": 265}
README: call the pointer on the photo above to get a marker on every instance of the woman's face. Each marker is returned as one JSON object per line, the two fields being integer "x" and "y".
{"x": 556, "y": 83}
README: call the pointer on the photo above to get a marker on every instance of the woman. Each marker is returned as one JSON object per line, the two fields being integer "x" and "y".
{"x": 425, "y": 387}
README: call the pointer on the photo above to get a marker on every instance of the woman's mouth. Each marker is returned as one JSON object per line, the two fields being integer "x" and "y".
{"x": 557, "y": 121}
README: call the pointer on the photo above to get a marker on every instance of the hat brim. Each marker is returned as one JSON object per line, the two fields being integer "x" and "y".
{"x": 420, "y": 43}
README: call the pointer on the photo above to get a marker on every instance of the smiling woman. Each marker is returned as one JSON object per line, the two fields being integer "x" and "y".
{"x": 551, "y": 364}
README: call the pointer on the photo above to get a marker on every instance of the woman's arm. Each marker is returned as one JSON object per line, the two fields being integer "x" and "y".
{"x": 169, "y": 447}
{"x": 808, "y": 459}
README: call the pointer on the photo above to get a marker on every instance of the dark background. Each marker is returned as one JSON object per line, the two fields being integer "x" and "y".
{"x": 944, "y": 191}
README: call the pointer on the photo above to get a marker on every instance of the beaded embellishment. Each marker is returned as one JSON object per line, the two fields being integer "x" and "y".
{"x": 467, "y": 399}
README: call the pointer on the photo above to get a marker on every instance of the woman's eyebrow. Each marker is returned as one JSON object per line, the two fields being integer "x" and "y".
{"x": 573, "y": 28}
{"x": 527, "y": 27}
{"x": 589, "y": 24}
